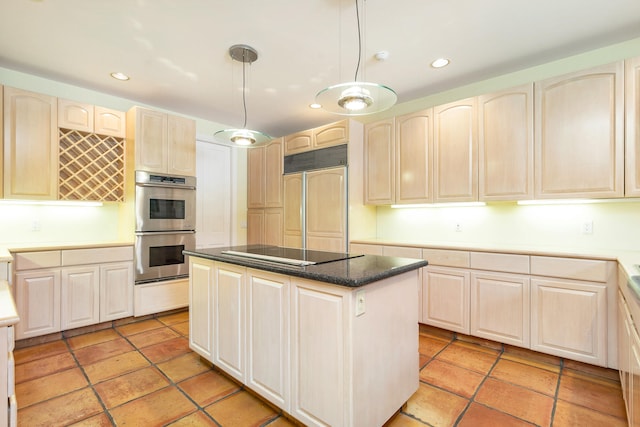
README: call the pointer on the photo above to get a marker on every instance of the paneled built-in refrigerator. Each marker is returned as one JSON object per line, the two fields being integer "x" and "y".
{"x": 316, "y": 200}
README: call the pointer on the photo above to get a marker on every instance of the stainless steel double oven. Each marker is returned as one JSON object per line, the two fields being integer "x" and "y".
{"x": 165, "y": 225}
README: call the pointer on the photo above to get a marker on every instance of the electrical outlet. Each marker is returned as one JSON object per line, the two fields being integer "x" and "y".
{"x": 587, "y": 227}
{"x": 360, "y": 303}
{"x": 35, "y": 225}
{"x": 458, "y": 226}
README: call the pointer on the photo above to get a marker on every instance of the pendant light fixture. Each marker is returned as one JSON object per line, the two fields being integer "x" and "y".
{"x": 356, "y": 98}
{"x": 243, "y": 137}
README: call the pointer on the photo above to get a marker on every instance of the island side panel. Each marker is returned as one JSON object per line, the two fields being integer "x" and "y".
{"x": 385, "y": 348}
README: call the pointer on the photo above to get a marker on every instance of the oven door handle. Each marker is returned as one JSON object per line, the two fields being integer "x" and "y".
{"x": 157, "y": 233}
{"x": 160, "y": 185}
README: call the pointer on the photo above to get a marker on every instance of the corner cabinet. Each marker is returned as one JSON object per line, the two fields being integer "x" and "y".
{"x": 579, "y": 134}
{"x": 30, "y": 138}
{"x": 456, "y": 151}
{"x": 163, "y": 143}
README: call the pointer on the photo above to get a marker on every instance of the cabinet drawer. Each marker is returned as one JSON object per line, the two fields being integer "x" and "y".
{"x": 363, "y": 248}
{"x": 97, "y": 255}
{"x": 40, "y": 259}
{"x": 402, "y": 252}
{"x": 448, "y": 258}
{"x": 509, "y": 263}
{"x": 570, "y": 268}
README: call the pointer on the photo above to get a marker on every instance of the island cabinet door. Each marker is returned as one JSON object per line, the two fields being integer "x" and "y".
{"x": 201, "y": 276}
{"x": 318, "y": 346}
{"x": 268, "y": 336}
{"x": 229, "y": 319}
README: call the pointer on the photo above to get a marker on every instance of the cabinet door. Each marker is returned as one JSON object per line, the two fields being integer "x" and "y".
{"x": 500, "y": 307}
{"x": 150, "y": 140}
{"x": 298, "y": 142}
{"x": 255, "y": 227}
{"x": 80, "y": 297}
{"x": 455, "y": 152}
{"x": 273, "y": 169}
{"x": 75, "y": 115}
{"x": 379, "y": 162}
{"x": 318, "y": 371}
{"x": 327, "y": 210}
{"x": 625, "y": 326}
{"x": 116, "y": 291}
{"x": 268, "y": 336}
{"x": 505, "y": 137}
{"x": 569, "y": 319}
{"x": 292, "y": 187}
{"x": 109, "y": 122}
{"x": 579, "y": 134}
{"x": 632, "y": 128}
{"x": 634, "y": 391}
{"x": 256, "y": 178}
{"x": 445, "y": 298}
{"x": 273, "y": 221}
{"x": 2, "y": 141}
{"x": 331, "y": 134}
{"x": 38, "y": 302}
{"x": 213, "y": 195}
{"x": 30, "y": 145}
{"x": 229, "y": 320}
{"x": 201, "y": 283}
{"x": 414, "y": 151}
{"x": 181, "y": 146}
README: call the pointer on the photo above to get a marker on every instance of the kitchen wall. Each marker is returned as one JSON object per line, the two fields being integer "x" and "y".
{"x": 25, "y": 224}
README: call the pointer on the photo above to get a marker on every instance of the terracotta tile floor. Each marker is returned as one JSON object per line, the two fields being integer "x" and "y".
{"x": 144, "y": 374}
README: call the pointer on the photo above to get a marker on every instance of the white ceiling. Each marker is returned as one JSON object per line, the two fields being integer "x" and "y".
{"x": 176, "y": 50}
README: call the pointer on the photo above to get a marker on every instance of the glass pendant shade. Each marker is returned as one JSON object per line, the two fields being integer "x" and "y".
{"x": 356, "y": 98}
{"x": 243, "y": 137}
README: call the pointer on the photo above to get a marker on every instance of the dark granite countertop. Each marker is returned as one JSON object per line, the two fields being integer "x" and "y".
{"x": 352, "y": 272}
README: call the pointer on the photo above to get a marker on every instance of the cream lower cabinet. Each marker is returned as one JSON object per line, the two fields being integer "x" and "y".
{"x": 201, "y": 282}
{"x": 116, "y": 291}
{"x": 38, "y": 302}
{"x": 80, "y": 296}
{"x": 445, "y": 298}
{"x": 500, "y": 307}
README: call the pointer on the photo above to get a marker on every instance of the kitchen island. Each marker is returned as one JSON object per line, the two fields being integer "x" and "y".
{"x": 333, "y": 342}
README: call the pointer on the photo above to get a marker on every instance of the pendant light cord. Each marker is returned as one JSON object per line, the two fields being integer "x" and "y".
{"x": 355, "y": 78}
{"x": 244, "y": 100}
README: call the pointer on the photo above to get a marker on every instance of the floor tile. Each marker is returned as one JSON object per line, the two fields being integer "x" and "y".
{"x": 434, "y": 406}
{"x": 43, "y": 367}
{"x": 209, "y": 387}
{"x": 570, "y": 415}
{"x": 181, "y": 328}
{"x": 241, "y": 409}
{"x": 42, "y": 351}
{"x": 469, "y": 356}
{"x": 183, "y": 367}
{"x": 151, "y": 337}
{"x": 100, "y": 420}
{"x": 527, "y": 376}
{"x": 104, "y": 350}
{"x": 63, "y": 410}
{"x": 403, "y": 420}
{"x": 154, "y": 410}
{"x": 166, "y": 350}
{"x": 41, "y": 389}
{"x": 281, "y": 421}
{"x": 597, "y": 371}
{"x": 197, "y": 419}
{"x": 453, "y": 378}
{"x": 430, "y": 346}
{"x": 115, "y": 366}
{"x": 93, "y": 338}
{"x": 130, "y": 386}
{"x": 517, "y": 401}
{"x": 137, "y": 327}
{"x": 171, "y": 319}
{"x": 600, "y": 395}
{"x": 482, "y": 416}
{"x": 530, "y": 357}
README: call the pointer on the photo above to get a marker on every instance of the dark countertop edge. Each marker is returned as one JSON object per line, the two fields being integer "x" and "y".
{"x": 302, "y": 272}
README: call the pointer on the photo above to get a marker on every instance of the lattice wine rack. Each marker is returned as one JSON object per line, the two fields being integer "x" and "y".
{"x": 91, "y": 167}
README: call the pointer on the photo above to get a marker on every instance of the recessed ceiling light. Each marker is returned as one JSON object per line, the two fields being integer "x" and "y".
{"x": 315, "y": 106}
{"x": 120, "y": 76}
{"x": 440, "y": 62}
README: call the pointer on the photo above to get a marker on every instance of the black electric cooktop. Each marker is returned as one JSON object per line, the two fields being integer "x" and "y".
{"x": 292, "y": 256}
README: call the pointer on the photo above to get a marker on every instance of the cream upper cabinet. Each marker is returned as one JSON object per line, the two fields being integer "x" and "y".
{"x": 505, "y": 144}
{"x": 1, "y": 141}
{"x": 109, "y": 122}
{"x": 455, "y": 152}
{"x": 264, "y": 180}
{"x": 163, "y": 143}
{"x": 379, "y": 162}
{"x": 321, "y": 137}
{"x": 413, "y": 154}
{"x": 255, "y": 178}
{"x": 93, "y": 119}
{"x": 632, "y": 131}
{"x": 30, "y": 145}
{"x": 579, "y": 134}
